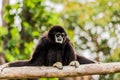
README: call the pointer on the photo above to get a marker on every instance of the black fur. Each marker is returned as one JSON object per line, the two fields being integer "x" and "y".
{"x": 47, "y": 52}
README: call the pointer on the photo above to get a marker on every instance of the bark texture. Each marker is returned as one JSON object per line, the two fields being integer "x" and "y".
{"x": 68, "y": 71}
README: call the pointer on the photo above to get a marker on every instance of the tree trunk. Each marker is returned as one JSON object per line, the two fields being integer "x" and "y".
{"x": 2, "y": 12}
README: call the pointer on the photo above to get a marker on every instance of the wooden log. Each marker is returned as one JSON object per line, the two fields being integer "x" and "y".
{"x": 67, "y": 71}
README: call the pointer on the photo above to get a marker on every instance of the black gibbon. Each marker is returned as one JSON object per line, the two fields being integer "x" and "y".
{"x": 53, "y": 49}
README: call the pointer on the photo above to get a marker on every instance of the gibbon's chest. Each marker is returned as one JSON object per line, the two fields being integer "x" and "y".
{"x": 56, "y": 50}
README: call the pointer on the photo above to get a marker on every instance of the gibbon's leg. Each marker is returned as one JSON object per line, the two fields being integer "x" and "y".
{"x": 82, "y": 60}
{"x": 14, "y": 64}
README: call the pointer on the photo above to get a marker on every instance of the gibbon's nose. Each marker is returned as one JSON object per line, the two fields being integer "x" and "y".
{"x": 60, "y": 38}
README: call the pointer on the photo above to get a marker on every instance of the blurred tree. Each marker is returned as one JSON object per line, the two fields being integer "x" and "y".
{"x": 2, "y": 58}
{"x": 2, "y": 12}
{"x": 93, "y": 25}
{"x": 26, "y": 20}
{"x": 96, "y": 26}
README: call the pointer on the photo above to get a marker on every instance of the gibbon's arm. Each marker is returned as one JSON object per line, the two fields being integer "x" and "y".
{"x": 70, "y": 55}
{"x": 83, "y": 60}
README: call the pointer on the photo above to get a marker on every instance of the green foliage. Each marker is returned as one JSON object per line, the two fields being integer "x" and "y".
{"x": 32, "y": 20}
{"x": 49, "y": 79}
{"x": 96, "y": 27}
{"x": 3, "y": 31}
{"x": 92, "y": 26}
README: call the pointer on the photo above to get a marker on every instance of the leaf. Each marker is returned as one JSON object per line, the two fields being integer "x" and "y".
{"x": 35, "y": 33}
{"x": 15, "y": 34}
{"x": 3, "y": 31}
{"x": 9, "y": 56}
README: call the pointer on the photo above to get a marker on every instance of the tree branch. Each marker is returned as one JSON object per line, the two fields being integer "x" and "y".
{"x": 37, "y": 72}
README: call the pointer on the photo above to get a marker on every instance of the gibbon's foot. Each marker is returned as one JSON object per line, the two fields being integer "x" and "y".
{"x": 74, "y": 63}
{"x": 3, "y": 66}
{"x": 58, "y": 65}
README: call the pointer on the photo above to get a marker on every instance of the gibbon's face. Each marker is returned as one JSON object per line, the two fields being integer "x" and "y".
{"x": 60, "y": 37}
{"x": 57, "y": 34}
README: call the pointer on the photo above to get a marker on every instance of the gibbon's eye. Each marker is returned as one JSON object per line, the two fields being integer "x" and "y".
{"x": 63, "y": 34}
{"x": 57, "y": 34}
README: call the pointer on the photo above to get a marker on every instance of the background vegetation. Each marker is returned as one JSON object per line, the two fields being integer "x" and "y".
{"x": 92, "y": 25}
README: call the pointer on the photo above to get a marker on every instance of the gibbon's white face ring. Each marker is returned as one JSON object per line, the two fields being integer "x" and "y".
{"x": 59, "y": 37}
